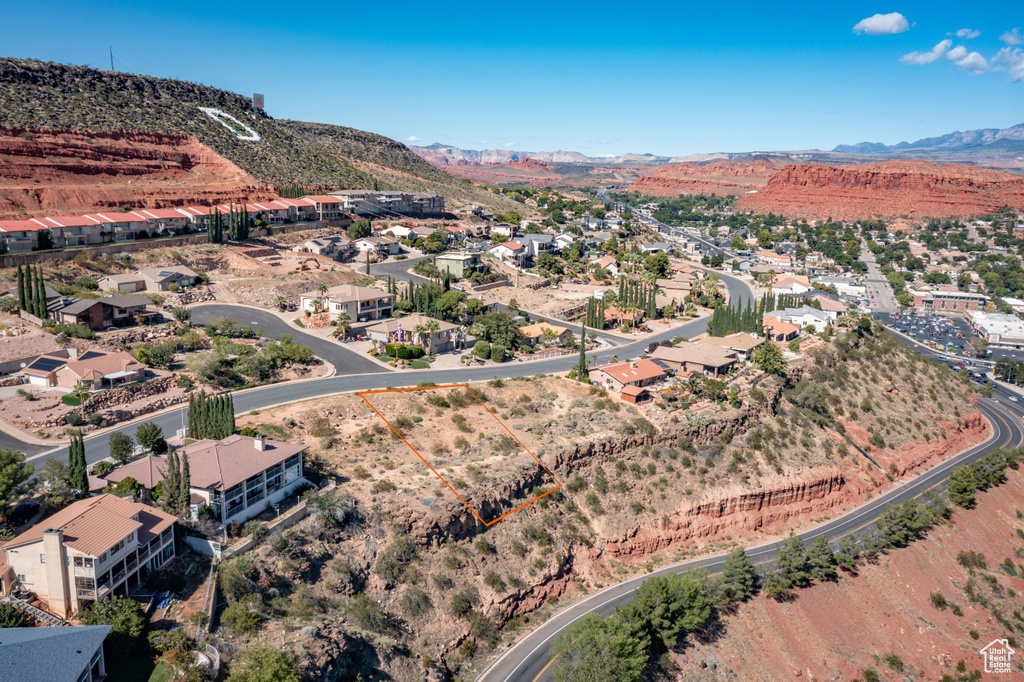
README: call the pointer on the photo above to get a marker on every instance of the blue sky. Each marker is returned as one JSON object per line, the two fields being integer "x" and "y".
{"x": 668, "y": 78}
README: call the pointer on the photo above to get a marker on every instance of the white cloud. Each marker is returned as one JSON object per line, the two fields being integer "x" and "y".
{"x": 1012, "y": 37}
{"x": 974, "y": 63}
{"x": 509, "y": 144}
{"x": 883, "y": 24}
{"x": 1013, "y": 59}
{"x": 412, "y": 138}
{"x": 927, "y": 57}
{"x": 968, "y": 33}
{"x": 957, "y": 53}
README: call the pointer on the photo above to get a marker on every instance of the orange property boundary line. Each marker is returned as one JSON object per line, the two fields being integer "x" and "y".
{"x": 363, "y": 394}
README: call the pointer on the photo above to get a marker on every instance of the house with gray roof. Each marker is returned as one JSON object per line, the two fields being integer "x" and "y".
{"x": 56, "y": 654}
{"x": 805, "y": 316}
{"x": 97, "y": 313}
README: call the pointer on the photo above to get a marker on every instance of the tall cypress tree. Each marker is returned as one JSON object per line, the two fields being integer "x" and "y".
{"x": 581, "y": 366}
{"x": 78, "y": 477}
{"x": 40, "y": 294}
{"x": 30, "y": 297}
{"x": 231, "y": 415}
{"x": 172, "y": 484}
{"x": 185, "y": 483}
{"x": 21, "y": 288}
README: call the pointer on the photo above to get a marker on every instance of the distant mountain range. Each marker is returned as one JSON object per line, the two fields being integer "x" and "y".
{"x": 1007, "y": 139}
{"x": 443, "y": 155}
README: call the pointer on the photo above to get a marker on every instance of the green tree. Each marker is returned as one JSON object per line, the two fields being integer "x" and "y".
{"x": 961, "y": 486}
{"x": 22, "y": 301}
{"x": 497, "y": 328}
{"x": 791, "y": 562}
{"x": 821, "y": 562}
{"x": 666, "y": 606}
{"x": 14, "y": 478}
{"x": 264, "y": 663}
{"x": 595, "y": 649}
{"x": 78, "y": 477}
{"x": 10, "y": 617}
{"x": 127, "y": 618}
{"x": 121, "y": 446}
{"x": 181, "y": 314}
{"x": 56, "y": 490}
{"x": 149, "y": 435}
{"x": 359, "y": 229}
{"x": 40, "y": 308}
{"x": 769, "y": 358}
{"x": 739, "y": 577}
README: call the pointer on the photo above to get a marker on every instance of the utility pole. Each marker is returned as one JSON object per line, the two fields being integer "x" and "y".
{"x": 111, "y": 58}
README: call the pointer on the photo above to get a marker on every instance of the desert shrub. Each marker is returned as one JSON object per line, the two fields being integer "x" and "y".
{"x": 240, "y": 617}
{"x": 497, "y": 353}
{"x": 393, "y": 560}
{"x": 415, "y": 602}
{"x": 482, "y": 350}
{"x": 320, "y": 427}
{"x": 463, "y": 601}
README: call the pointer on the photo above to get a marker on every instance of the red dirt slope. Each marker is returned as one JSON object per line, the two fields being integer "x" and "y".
{"x": 834, "y": 631}
{"x": 892, "y": 188}
{"x": 720, "y": 177}
{"x": 57, "y": 172}
{"x": 529, "y": 171}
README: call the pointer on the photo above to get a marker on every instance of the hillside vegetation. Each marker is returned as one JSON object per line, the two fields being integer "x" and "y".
{"x": 44, "y": 95}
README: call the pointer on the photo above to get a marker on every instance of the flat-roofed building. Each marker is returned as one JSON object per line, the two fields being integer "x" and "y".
{"x": 947, "y": 300}
{"x": 999, "y": 329}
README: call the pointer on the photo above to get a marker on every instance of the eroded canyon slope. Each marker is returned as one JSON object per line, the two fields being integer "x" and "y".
{"x": 719, "y": 177}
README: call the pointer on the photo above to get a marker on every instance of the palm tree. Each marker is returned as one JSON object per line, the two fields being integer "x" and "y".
{"x": 279, "y": 301}
{"x": 81, "y": 392}
{"x": 426, "y": 334}
{"x": 344, "y": 324}
{"x": 693, "y": 383}
{"x": 322, "y": 288}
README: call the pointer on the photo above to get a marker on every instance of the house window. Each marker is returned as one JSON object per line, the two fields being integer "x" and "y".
{"x": 21, "y": 577}
{"x": 42, "y": 558}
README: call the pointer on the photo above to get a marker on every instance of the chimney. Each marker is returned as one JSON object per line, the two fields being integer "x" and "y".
{"x": 58, "y": 583}
{"x": 260, "y": 443}
{"x": 633, "y": 365}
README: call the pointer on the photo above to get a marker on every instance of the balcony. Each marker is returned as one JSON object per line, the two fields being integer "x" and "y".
{"x": 132, "y": 565}
{"x": 87, "y": 594}
{"x": 84, "y": 572}
{"x": 117, "y": 577}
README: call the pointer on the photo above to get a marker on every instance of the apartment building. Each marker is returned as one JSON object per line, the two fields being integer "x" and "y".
{"x": 101, "y": 546}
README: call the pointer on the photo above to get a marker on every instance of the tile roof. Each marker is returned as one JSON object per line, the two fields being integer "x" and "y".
{"x": 20, "y": 226}
{"x": 830, "y": 305}
{"x": 739, "y": 341}
{"x": 94, "y": 525}
{"x": 173, "y": 272}
{"x": 628, "y": 372}
{"x": 95, "y": 364}
{"x": 222, "y": 464}
{"x": 349, "y": 292}
{"x": 778, "y": 325}
{"x": 44, "y": 364}
{"x": 512, "y": 246}
{"x": 706, "y": 354}
{"x": 534, "y": 331}
{"x": 632, "y": 390}
{"x": 51, "y": 654}
{"x": 324, "y": 199}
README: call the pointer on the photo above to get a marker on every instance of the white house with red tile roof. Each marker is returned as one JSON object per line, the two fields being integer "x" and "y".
{"x": 608, "y": 263}
{"x": 630, "y": 373}
{"x": 509, "y": 252}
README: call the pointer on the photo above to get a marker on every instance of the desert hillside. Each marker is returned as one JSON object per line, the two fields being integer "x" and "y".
{"x": 61, "y": 98}
{"x": 720, "y": 177}
{"x": 673, "y": 480}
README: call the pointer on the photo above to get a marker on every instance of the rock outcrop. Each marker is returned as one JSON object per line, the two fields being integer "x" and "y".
{"x": 720, "y": 177}
{"x": 913, "y": 189}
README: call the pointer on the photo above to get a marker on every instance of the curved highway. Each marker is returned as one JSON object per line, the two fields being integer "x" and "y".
{"x": 529, "y": 659}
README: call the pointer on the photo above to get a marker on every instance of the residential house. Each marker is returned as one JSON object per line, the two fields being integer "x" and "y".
{"x": 776, "y": 260}
{"x": 100, "y": 546}
{"x": 426, "y": 204}
{"x": 79, "y": 230}
{"x": 742, "y": 343}
{"x": 300, "y": 210}
{"x": 828, "y": 304}
{"x": 608, "y": 263}
{"x": 507, "y": 230}
{"x": 163, "y": 220}
{"x": 658, "y": 246}
{"x": 97, "y": 313}
{"x": 152, "y": 279}
{"x": 338, "y": 247}
{"x": 459, "y": 264}
{"x": 805, "y": 316}
{"x": 777, "y": 330}
{"x": 403, "y": 330}
{"x": 700, "y": 357}
{"x": 513, "y": 253}
{"x": 679, "y": 287}
{"x": 361, "y": 303}
{"x": 382, "y": 246}
{"x": 43, "y": 370}
{"x": 96, "y": 369}
{"x": 536, "y": 244}
{"x": 123, "y": 226}
{"x": 238, "y": 477}
{"x": 613, "y": 316}
{"x": 792, "y": 285}
{"x": 67, "y": 654}
{"x": 618, "y": 375}
{"x": 532, "y": 333}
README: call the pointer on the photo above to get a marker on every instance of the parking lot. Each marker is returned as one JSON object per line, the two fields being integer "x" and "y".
{"x": 944, "y": 333}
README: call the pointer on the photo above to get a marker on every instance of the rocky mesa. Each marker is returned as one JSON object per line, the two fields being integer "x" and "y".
{"x": 720, "y": 177}
{"x": 914, "y": 189}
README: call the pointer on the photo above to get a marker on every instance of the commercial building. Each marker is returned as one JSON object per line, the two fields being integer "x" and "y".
{"x": 999, "y": 329}
{"x": 946, "y": 300}
{"x": 104, "y": 545}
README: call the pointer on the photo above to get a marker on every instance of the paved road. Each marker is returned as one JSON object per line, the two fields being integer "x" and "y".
{"x": 877, "y": 285}
{"x": 529, "y": 659}
{"x": 355, "y": 375}
{"x": 344, "y": 360}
